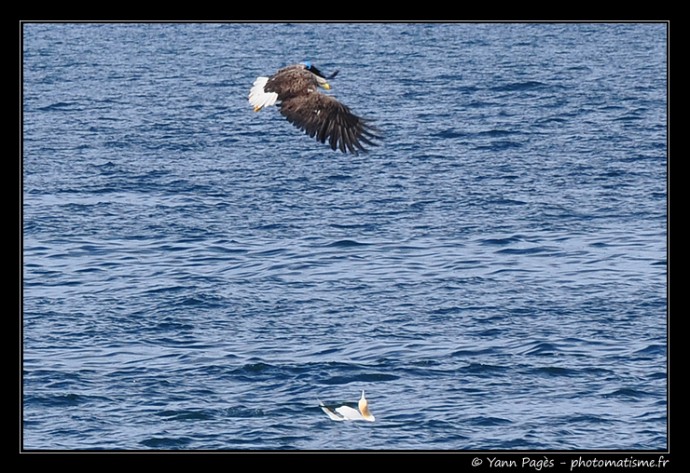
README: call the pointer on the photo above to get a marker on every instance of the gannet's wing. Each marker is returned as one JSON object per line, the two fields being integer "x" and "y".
{"x": 330, "y": 412}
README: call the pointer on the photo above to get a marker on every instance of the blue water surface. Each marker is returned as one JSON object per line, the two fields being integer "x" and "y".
{"x": 493, "y": 275}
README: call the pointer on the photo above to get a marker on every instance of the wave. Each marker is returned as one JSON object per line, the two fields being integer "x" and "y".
{"x": 522, "y": 86}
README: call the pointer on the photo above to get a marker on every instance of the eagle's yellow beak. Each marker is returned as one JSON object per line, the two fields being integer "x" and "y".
{"x": 257, "y": 108}
{"x": 326, "y": 86}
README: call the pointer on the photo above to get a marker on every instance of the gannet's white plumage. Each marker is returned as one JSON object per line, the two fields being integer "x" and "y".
{"x": 343, "y": 413}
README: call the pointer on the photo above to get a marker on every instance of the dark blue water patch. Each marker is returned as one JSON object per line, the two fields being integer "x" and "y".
{"x": 651, "y": 417}
{"x": 62, "y": 381}
{"x": 522, "y": 251}
{"x": 500, "y": 145}
{"x": 631, "y": 393}
{"x": 106, "y": 169}
{"x": 201, "y": 300}
{"x": 646, "y": 157}
{"x": 628, "y": 118}
{"x": 346, "y": 244}
{"x": 340, "y": 177}
{"x": 586, "y": 419}
{"x": 185, "y": 415}
{"x": 542, "y": 349}
{"x": 484, "y": 369}
{"x": 430, "y": 425}
{"x": 451, "y": 133}
{"x": 661, "y": 375}
{"x": 495, "y": 133}
{"x": 447, "y": 310}
{"x": 521, "y": 86}
{"x": 488, "y": 421}
{"x": 502, "y": 241}
{"x": 555, "y": 371}
{"x": 481, "y": 104}
{"x": 242, "y": 412}
{"x": 454, "y": 79}
{"x": 353, "y": 226}
{"x": 651, "y": 351}
{"x": 425, "y": 364}
{"x": 63, "y": 400}
{"x": 77, "y": 208}
{"x": 256, "y": 371}
{"x": 166, "y": 290}
{"x": 420, "y": 205}
{"x": 490, "y": 333}
{"x": 363, "y": 377}
{"x": 182, "y": 337}
{"x": 327, "y": 351}
{"x": 60, "y": 106}
{"x": 273, "y": 226}
{"x": 505, "y": 201}
{"x": 166, "y": 443}
{"x": 516, "y": 444}
{"x": 476, "y": 353}
{"x": 268, "y": 253}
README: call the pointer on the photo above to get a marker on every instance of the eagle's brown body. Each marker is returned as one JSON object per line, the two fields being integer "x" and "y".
{"x": 320, "y": 116}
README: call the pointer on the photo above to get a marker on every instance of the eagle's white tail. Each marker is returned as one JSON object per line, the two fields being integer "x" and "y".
{"x": 259, "y": 98}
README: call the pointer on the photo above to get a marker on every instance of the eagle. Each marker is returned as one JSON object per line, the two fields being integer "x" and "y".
{"x": 321, "y": 116}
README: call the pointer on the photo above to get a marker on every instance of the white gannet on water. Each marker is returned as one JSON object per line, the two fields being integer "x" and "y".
{"x": 348, "y": 413}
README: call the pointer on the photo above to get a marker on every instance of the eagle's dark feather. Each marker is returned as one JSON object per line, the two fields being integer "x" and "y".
{"x": 324, "y": 118}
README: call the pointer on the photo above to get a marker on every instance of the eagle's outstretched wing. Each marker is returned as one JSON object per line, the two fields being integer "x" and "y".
{"x": 324, "y": 118}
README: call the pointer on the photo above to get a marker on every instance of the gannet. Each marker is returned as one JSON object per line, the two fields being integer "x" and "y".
{"x": 319, "y": 115}
{"x": 348, "y": 413}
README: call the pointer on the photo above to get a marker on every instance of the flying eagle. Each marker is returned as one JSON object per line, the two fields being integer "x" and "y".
{"x": 319, "y": 115}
